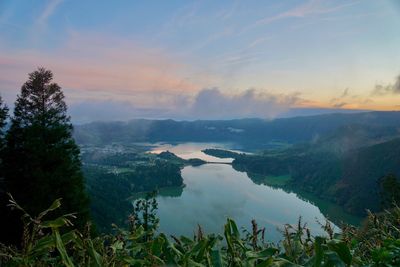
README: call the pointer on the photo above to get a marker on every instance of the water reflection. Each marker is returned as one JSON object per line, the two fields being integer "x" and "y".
{"x": 214, "y": 192}
{"x": 193, "y": 150}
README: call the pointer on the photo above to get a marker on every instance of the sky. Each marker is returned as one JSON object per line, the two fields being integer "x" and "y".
{"x": 117, "y": 60}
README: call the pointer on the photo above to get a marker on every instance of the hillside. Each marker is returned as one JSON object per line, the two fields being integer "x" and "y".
{"x": 253, "y": 133}
{"x": 338, "y": 157}
{"x": 349, "y": 179}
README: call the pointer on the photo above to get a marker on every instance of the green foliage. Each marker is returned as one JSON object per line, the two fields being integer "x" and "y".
{"x": 388, "y": 254}
{"x": 220, "y": 153}
{"x": 377, "y": 239}
{"x": 389, "y": 192}
{"x": 172, "y": 158}
{"x": 144, "y": 214}
{"x": 112, "y": 179}
{"x": 349, "y": 179}
{"x": 41, "y": 160}
{"x": 53, "y": 243}
{"x": 108, "y": 197}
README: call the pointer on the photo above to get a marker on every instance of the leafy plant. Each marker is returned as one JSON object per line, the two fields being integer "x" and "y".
{"x": 144, "y": 214}
{"x": 57, "y": 243}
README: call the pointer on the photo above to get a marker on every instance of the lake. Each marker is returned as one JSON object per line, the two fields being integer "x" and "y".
{"x": 214, "y": 192}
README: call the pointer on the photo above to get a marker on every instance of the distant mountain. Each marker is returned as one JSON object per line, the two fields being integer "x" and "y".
{"x": 296, "y": 112}
{"x": 254, "y": 133}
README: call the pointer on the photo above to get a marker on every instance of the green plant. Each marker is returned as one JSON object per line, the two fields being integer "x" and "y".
{"x": 57, "y": 243}
{"x": 145, "y": 214}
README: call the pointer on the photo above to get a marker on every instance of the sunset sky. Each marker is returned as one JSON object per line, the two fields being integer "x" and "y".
{"x": 205, "y": 59}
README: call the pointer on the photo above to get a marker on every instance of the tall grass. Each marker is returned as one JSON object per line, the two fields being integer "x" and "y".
{"x": 56, "y": 243}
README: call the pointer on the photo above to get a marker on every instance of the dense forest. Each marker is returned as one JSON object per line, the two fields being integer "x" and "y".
{"x": 113, "y": 177}
{"x": 351, "y": 177}
{"x": 114, "y": 174}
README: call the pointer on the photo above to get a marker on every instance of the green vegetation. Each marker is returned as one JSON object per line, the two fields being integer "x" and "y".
{"x": 171, "y": 157}
{"x": 195, "y": 162}
{"x": 278, "y": 181}
{"x": 336, "y": 157}
{"x": 220, "y": 153}
{"x": 389, "y": 191}
{"x": 40, "y": 159}
{"x": 357, "y": 167}
{"x": 113, "y": 177}
{"x": 351, "y": 178}
{"x": 56, "y": 243}
{"x": 334, "y": 212}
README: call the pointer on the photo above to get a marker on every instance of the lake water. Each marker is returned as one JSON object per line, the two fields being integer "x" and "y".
{"x": 214, "y": 192}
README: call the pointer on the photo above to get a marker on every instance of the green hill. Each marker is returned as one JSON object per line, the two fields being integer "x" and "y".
{"x": 255, "y": 134}
{"x": 349, "y": 178}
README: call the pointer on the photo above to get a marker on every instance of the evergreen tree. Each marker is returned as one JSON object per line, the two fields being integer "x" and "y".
{"x": 41, "y": 160}
{"x": 3, "y": 118}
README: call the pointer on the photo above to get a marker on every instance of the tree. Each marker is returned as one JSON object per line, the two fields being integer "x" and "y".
{"x": 3, "y": 118}
{"x": 389, "y": 191}
{"x": 145, "y": 214}
{"x": 41, "y": 159}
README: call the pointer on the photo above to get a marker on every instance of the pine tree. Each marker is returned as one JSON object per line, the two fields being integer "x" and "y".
{"x": 3, "y": 118}
{"x": 41, "y": 160}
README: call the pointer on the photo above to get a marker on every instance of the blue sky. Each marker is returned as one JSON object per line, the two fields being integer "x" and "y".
{"x": 191, "y": 59}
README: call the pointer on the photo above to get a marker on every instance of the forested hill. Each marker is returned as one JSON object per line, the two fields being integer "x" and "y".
{"x": 255, "y": 132}
{"x": 353, "y": 179}
{"x": 340, "y": 157}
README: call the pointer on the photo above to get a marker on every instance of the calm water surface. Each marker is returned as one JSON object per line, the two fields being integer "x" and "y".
{"x": 214, "y": 192}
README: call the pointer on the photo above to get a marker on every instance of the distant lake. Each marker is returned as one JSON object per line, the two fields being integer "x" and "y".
{"x": 214, "y": 192}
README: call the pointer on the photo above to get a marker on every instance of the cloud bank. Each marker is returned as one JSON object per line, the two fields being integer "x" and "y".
{"x": 212, "y": 103}
{"x": 206, "y": 104}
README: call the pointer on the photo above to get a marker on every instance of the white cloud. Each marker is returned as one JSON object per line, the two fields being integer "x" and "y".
{"x": 312, "y": 7}
{"x": 48, "y": 11}
{"x": 212, "y": 103}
